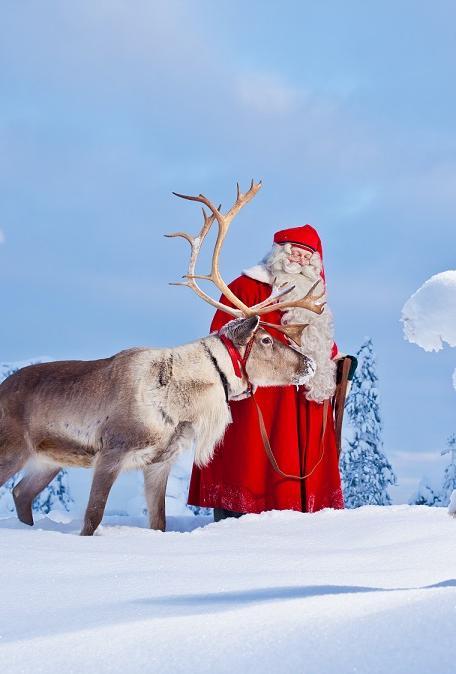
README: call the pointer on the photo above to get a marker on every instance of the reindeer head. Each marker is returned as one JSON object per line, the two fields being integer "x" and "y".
{"x": 269, "y": 362}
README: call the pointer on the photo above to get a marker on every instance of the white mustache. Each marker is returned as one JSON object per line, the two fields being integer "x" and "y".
{"x": 291, "y": 267}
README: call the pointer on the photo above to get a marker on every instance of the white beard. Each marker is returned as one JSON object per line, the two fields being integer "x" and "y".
{"x": 318, "y": 338}
{"x": 291, "y": 267}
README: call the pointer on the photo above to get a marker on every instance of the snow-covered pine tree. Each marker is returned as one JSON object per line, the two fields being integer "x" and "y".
{"x": 365, "y": 470}
{"x": 55, "y": 496}
{"x": 449, "y": 476}
{"x": 6, "y": 497}
{"x": 424, "y": 495}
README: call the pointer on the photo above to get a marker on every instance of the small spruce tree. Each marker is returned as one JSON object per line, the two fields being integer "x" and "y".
{"x": 365, "y": 470}
{"x": 424, "y": 495}
{"x": 449, "y": 476}
{"x": 55, "y": 496}
{"x": 6, "y": 497}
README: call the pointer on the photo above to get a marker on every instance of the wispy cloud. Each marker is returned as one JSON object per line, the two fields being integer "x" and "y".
{"x": 411, "y": 457}
{"x": 267, "y": 93}
{"x": 432, "y": 187}
{"x": 2, "y": 236}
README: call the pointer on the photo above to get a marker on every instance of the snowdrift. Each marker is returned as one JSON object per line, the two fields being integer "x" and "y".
{"x": 371, "y": 590}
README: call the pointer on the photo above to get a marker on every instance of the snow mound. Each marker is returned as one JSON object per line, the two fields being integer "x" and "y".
{"x": 365, "y": 590}
{"x": 429, "y": 315}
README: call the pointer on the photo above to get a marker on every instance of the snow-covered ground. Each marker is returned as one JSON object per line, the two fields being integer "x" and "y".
{"x": 368, "y": 590}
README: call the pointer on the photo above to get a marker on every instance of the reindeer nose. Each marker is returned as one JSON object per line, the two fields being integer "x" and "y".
{"x": 307, "y": 371}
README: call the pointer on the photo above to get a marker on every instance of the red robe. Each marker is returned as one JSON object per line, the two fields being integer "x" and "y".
{"x": 240, "y": 477}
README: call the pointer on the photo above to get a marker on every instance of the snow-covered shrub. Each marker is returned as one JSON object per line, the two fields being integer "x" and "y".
{"x": 449, "y": 476}
{"x": 6, "y": 497}
{"x": 429, "y": 320}
{"x": 56, "y": 496}
{"x": 429, "y": 315}
{"x": 365, "y": 470}
{"x": 424, "y": 495}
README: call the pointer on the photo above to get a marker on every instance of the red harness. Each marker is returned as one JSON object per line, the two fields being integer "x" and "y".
{"x": 239, "y": 362}
{"x": 234, "y": 354}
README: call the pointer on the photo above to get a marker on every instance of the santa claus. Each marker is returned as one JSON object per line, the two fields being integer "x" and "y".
{"x": 298, "y": 420}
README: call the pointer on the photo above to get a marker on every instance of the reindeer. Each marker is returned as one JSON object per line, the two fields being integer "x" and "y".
{"x": 140, "y": 407}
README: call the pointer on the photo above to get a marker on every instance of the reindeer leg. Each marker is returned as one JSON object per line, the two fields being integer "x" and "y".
{"x": 13, "y": 455}
{"x": 34, "y": 481}
{"x": 155, "y": 480}
{"x": 10, "y": 465}
{"x": 156, "y": 474}
{"x": 106, "y": 471}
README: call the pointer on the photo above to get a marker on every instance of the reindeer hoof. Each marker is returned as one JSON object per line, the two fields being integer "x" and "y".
{"x": 87, "y": 531}
{"x": 23, "y": 510}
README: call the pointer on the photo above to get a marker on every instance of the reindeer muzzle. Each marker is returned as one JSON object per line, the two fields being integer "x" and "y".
{"x": 307, "y": 372}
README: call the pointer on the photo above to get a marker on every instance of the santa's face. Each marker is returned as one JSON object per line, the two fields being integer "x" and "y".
{"x": 296, "y": 258}
{"x": 299, "y": 255}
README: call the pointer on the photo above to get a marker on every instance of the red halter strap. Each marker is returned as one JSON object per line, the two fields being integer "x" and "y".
{"x": 234, "y": 354}
{"x": 239, "y": 362}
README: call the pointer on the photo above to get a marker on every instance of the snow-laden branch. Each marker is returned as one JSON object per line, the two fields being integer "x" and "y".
{"x": 429, "y": 316}
{"x": 429, "y": 320}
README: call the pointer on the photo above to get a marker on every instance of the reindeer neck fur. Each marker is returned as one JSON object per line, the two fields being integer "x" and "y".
{"x": 215, "y": 412}
{"x": 188, "y": 381}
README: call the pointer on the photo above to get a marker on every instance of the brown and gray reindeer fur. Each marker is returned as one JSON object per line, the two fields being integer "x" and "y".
{"x": 137, "y": 409}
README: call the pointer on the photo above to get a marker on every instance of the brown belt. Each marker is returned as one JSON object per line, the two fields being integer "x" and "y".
{"x": 268, "y": 448}
{"x": 339, "y": 398}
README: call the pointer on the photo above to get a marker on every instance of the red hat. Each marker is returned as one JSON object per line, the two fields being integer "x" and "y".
{"x": 303, "y": 237}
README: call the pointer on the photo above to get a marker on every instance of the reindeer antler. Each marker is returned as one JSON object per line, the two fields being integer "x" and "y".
{"x": 293, "y": 331}
{"x": 272, "y": 303}
{"x": 309, "y": 301}
{"x": 223, "y": 221}
{"x": 195, "y": 246}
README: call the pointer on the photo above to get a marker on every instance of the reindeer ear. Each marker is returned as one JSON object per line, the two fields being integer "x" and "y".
{"x": 241, "y": 330}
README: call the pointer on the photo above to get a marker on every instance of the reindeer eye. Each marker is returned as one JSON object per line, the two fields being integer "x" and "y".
{"x": 266, "y": 340}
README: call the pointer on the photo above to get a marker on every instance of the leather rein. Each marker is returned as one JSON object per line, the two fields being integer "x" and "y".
{"x": 239, "y": 365}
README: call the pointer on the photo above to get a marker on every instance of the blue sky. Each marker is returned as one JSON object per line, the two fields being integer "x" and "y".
{"x": 347, "y": 112}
